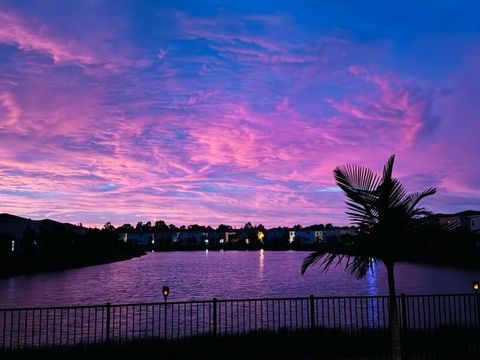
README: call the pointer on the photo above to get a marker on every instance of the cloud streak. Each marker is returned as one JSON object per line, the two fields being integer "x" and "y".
{"x": 16, "y": 32}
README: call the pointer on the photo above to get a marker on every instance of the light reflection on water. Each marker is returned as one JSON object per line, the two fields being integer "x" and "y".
{"x": 261, "y": 261}
{"x": 198, "y": 275}
{"x": 372, "y": 280}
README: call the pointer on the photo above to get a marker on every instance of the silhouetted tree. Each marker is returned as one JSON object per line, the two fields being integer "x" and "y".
{"x": 223, "y": 227}
{"x": 387, "y": 215}
{"x": 317, "y": 227}
{"x": 160, "y": 225}
{"x": 147, "y": 227}
{"x": 108, "y": 226}
{"x": 196, "y": 227}
{"x": 125, "y": 228}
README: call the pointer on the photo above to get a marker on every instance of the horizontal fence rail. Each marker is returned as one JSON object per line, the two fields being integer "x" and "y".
{"x": 24, "y": 328}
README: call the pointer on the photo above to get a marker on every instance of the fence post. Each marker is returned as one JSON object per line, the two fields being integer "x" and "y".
{"x": 215, "y": 316}
{"x": 477, "y": 303}
{"x": 107, "y": 330}
{"x": 312, "y": 312}
{"x": 404, "y": 311}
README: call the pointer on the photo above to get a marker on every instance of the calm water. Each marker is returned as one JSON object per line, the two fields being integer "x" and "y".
{"x": 230, "y": 274}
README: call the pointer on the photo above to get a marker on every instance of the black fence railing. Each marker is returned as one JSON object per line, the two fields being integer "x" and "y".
{"x": 23, "y": 328}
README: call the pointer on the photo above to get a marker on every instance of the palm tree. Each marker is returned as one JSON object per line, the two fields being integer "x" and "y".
{"x": 386, "y": 216}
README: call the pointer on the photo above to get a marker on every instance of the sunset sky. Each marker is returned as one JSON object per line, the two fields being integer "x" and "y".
{"x": 231, "y": 111}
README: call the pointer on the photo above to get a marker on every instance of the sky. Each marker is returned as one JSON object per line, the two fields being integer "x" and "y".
{"x": 216, "y": 112}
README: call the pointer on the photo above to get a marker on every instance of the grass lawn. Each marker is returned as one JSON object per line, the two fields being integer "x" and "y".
{"x": 443, "y": 343}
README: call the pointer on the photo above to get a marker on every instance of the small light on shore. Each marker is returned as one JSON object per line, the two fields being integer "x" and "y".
{"x": 476, "y": 286}
{"x": 165, "y": 292}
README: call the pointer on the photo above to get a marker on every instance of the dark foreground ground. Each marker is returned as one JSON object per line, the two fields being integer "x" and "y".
{"x": 443, "y": 343}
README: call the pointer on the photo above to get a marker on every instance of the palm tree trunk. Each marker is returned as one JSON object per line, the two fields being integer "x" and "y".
{"x": 393, "y": 313}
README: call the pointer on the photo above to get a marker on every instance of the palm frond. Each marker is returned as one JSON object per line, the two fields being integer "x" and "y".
{"x": 354, "y": 177}
{"x": 360, "y": 186}
{"x": 412, "y": 200}
{"x": 397, "y": 193}
{"x": 359, "y": 266}
{"x": 388, "y": 169}
{"x": 325, "y": 255}
{"x": 312, "y": 259}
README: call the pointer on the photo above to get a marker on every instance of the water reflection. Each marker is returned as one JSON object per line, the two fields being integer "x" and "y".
{"x": 261, "y": 261}
{"x": 198, "y": 275}
{"x": 372, "y": 279}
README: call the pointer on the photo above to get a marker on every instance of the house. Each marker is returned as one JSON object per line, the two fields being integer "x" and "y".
{"x": 138, "y": 238}
{"x": 279, "y": 236}
{"x": 193, "y": 237}
{"x": 222, "y": 237}
{"x": 337, "y": 233}
{"x": 469, "y": 220}
{"x": 250, "y": 236}
{"x": 17, "y": 234}
{"x": 276, "y": 236}
{"x": 307, "y": 236}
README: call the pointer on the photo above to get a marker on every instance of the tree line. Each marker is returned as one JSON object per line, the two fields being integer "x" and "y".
{"x": 162, "y": 226}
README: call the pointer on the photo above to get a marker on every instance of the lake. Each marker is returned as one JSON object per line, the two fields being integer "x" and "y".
{"x": 199, "y": 275}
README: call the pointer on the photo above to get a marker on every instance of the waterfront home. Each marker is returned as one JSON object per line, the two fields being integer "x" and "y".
{"x": 222, "y": 237}
{"x": 468, "y": 220}
{"x": 166, "y": 238}
{"x": 279, "y": 236}
{"x": 18, "y": 234}
{"x": 251, "y": 236}
{"x": 138, "y": 238}
{"x": 307, "y": 236}
{"x": 193, "y": 237}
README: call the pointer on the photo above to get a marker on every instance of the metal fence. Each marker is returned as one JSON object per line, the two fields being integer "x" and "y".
{"x": 22, "y": 328}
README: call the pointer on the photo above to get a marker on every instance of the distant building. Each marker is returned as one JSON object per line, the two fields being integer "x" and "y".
{"x": 306, "y": 236}
{"x": 138, "y": 238}
{"x": 469, "y": 220}
{"x": 193, "y": 237}
{"x": 276, "y": 236}
{"x": 250, "y": 236}
{"x": 337, "y": 233}
{"x": 15, "y": 226}
{"x": 17, "y": 234}
{"x": 222, "y": 237}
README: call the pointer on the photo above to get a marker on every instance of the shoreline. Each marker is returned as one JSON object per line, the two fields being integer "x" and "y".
{"x": 30, "y": 265}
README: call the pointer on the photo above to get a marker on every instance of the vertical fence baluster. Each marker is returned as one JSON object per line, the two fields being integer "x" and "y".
{"x": 107, "y": 326}
{"x": 312, "y": 312}
{"x": 404, "y": 311}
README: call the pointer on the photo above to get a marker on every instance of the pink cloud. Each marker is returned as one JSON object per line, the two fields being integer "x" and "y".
{"x": 36, "y": 38}
{"x": 395, "y": 110}
{"x": 9, "y": 110}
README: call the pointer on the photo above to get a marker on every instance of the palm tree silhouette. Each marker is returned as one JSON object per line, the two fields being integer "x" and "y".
{"x": 386, "y": 216}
